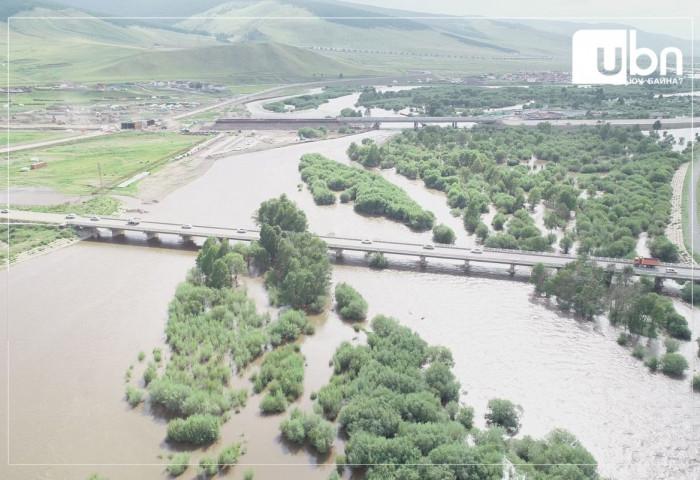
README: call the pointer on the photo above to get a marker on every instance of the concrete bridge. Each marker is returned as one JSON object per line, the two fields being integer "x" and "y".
{"x": 118, "y": 227}
{"x": 226, "y": 124}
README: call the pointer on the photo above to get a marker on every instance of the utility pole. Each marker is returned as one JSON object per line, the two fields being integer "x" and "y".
{"x": 99, "y": 169}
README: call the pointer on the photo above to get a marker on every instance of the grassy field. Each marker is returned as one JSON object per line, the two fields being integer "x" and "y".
{"x": 21, "y": 137}
{"x": 73, "y": 168}
{"x": 22, "y": 238}
{"x": 101, "y": 205}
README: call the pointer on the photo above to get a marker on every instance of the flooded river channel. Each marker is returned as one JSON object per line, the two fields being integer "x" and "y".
{"x": 77, "y": 318}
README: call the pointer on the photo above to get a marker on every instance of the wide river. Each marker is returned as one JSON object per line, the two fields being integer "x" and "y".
{"x": 76, "y": 319}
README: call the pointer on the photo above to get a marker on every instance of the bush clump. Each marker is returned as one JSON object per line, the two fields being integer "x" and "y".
{"x": 696, "y": 383}
{"x": 443, "y": 234}
{"x": 504, "y": 413}
{"x": 638, "y": 352}
{"x": 372, "y": 193}
{"x": 652, "y": 363}
{"x": 673, "y": 364}
{"x": 229, "y": 456}
{"x": 134, "y": 396}
{"x": 378, "y": 260}
{"x": 301, "y": 426}
{"x": 208, "y": 467}
{"x": 282, "y": 371}
{"x": 196, "y": 429}
{"x": 351, "y": 304}
{"x": 178, "y": 464}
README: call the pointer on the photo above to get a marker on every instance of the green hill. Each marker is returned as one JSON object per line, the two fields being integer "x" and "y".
{"x": 257, "y": 63}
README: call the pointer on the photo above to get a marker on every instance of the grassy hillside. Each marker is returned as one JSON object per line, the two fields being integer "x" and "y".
{"x": 237, "y": 64}
{"x": 302, "y": 23}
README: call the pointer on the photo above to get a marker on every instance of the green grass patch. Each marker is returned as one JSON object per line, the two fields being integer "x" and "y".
{"x": 21, "y": 238}
{"x": 101, "y": 205}
{"x": 74, "y": 169}
{"x": 21, "y": 137}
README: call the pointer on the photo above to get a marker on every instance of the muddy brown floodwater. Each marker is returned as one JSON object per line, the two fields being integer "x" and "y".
{"x": 77, "y": 318}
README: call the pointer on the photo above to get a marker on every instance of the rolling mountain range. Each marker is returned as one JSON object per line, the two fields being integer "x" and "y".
{"x": 264, "y": 41}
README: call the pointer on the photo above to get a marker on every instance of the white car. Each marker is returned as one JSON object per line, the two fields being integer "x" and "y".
{"x": 477, "y": 250}
{"x": 4, "y": 210}
{"x": 428, "y": 247}
{"x": 671, "y": 270}
{"x": 70, "y": 216}
{"x": 366, "y": 242}
{"x": 133, "y": 221}
{"x": 186, "y": 226}
{"x": 95, "y": 219}
{"x": 241, "y": 230}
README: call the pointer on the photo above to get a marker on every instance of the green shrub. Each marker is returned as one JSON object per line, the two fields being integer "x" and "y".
{"x": 673, "y": 364}
{"x": 340, "y": 462}
{"x": 652, "y": 363}
{"x": 672, "y": 345}
{"x": 208, "y": 467}
{"x": 622, "y": 339}
{"x": 330, "y": 398}
{"x": 248, "y": 475}
{"x": 696, "y": 383}
{"x": 638, "y": 352}
{"x": 504, "y": 413}
{"x": 197, "y": 429}
{"x": 334, "y": 475}
{"x": 157, "y": 355}
{"x": 351, "y": 304}
{"x": 150, "y": 374}
{"x": 142, "y": 356}
{"x": 443, "y": 234}
{"x": 302, "y": 426}
{"x": 178, "y": 464}
{"x": 229, "y": 456}
{"x": 378, "y": 260}
{"x": 274, "y": 403}
{"x": 134, "y": 396}
{"x": 465, "y": 416}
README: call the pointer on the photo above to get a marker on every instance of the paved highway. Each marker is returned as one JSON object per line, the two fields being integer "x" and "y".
{"x": 494, "y": 256}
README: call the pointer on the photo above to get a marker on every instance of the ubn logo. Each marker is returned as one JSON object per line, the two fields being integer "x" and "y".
{"x": 588, "y": 46}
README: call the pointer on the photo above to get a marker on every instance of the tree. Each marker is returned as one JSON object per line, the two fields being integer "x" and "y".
{"x": 662, "y": 248}
{"x": 566, "y": 243}
{"x": 236, "y": 265}
{"x": 538, "y": 277}
{"x": 443, "y": 234}
{"x": 505, "y": 414}
{"x": 656, "y": 125}
{"x": 482, "y": 231}
{"x": 282, "y": 212}
{"x": 220, "y": 276}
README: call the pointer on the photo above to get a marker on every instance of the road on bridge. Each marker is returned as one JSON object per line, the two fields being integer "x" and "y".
{"x": 494, "y": 256}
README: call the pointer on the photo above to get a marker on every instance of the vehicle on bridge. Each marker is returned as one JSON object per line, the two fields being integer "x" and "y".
{"x": 133, "y": 221}
{"x": 646, "y": 262}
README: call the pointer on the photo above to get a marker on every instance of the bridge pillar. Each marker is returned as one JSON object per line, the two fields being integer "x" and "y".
{"x": 511, "y": 270}
{"x": 658, "y": 283}
{"x": 92, "y": 232}
{"x": 454, "y": 124}
{"x": 338, "y": 253}
{"x": 151, "y": 235}
{"x": 466, "y": 264}
{"x": 415, "y": 126}
{"x": 187, "y": 238}
{"x": 423, "y": 262}
{"x": 117, "y": 232}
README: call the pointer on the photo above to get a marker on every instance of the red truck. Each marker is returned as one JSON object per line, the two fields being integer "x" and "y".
{"x": 646, "y": 262}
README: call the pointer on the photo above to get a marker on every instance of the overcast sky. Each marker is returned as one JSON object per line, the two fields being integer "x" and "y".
{"x": 620, "y": 11}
